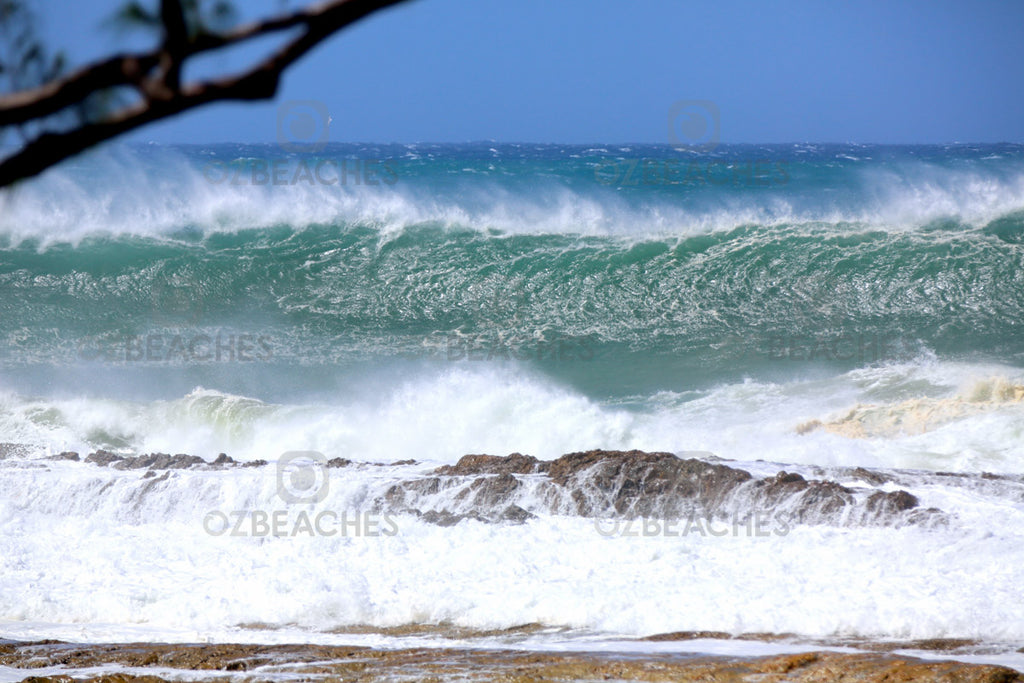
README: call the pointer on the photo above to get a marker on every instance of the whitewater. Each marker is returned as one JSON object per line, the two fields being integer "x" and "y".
{"x": 852, "y": 316}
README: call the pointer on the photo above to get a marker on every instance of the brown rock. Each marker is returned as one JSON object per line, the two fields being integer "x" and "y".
{"x": 102, "y": 458}
{"x": 319, "y": 662}
{"x": 159, "y": 461}
{"x": 223, "y": 460}
{"x": 66, "y": 455}
{"x": 516, "y": 463}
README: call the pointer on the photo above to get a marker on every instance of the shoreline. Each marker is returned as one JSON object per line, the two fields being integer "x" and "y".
{"x": 52, "y": 661}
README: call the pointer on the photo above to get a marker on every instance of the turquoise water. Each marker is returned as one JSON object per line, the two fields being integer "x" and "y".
{"x": 807, "y": 308}
{"x": 495, "y": 298}
{"x": 622, "y": 271}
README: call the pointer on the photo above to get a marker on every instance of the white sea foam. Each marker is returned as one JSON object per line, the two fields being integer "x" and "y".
{"x": 84, "y": 545}
{"x": 120, "y": 190}
{"x": 80, "y": 544}
{"x": 438, "y": 415}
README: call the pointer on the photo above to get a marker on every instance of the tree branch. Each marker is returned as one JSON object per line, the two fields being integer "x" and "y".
{"x": 162, "y": 95}
{"x": 175, "y": 43}
{"x": 50, "y": 98}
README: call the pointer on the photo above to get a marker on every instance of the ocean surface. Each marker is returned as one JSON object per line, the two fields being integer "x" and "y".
{"x": 808, "y": 308}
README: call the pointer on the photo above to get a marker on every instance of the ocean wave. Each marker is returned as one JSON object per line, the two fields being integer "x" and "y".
{"x": 181, "y": 191}
{"x": 436, "y": 413}
{"x": 750, "y": 297}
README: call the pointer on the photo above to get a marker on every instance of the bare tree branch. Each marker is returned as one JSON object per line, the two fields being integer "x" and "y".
{"x": 156, "y": 76}
{"x": 50, "y": 98}
{"x": 175, "y": 42}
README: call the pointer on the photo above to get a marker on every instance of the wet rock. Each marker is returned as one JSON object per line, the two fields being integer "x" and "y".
{"x": 490, "y": 492}
{"x": 103, "y": 458}
{"x": 224, "y": 460}
{"x": 930, "y": 644}
{"x": 924, "y": 517}
{"x": 66, "y": 455}
{"x": 516, "y": 463}
{"x": 869, "y": 476}
{"x": 399, "y": 495}
{"x": 320, "y": 662}
{"x": 890, "y": 502}
{"x": 159, "y": 461}
{"x": 784, "y": 478}
{"x": 636, "y": 483}
{"x": 818, "y": 500}
{"x": 516, "y": 514}
{"x": 631, "y": 484}
{"x": 688, "y": 635}
{"x": 446, "y": 518}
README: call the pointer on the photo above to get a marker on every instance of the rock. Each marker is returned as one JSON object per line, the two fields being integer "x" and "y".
{"x": 869, "y": 476}
{"x": 103, "y": 458}
{"x": 631, "y": 484}
{"x": 294, "y": 663}
{"x": 490, "y": 492}
{"x": 514, "y": 513}
{"x": 890, "y": 502}
{"x": 223, "y": 460}
{"x": 446, "y": 518}
{"x": 516, "y": 463}
{"x": 640, "y": 484}
{"x": 159, "y": 461}
{"x": 66, "y": 455}
{"x": 689, "y": 635}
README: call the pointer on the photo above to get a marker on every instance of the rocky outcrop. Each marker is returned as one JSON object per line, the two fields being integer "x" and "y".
{"x": 639, "y": 484}
{"x": 160, "y": 461}
{"x": 66, "y": 455}
{"x": 516, "y": 463}
{"x": 610, "y": 484}
{"x": 152, "y": 461}
{"x": 103, "y": 458}
{"x": 632, "y": 484}
{"x": 134, "y": 662}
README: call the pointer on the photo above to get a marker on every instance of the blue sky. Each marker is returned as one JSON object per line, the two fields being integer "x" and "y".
{"x": 578, "y": 71}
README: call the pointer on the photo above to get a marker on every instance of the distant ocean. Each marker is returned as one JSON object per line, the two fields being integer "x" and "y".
{"x": 849, "y": 313}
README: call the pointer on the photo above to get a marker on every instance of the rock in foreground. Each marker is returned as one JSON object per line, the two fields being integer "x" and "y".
{"x": 287, "y": 663}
